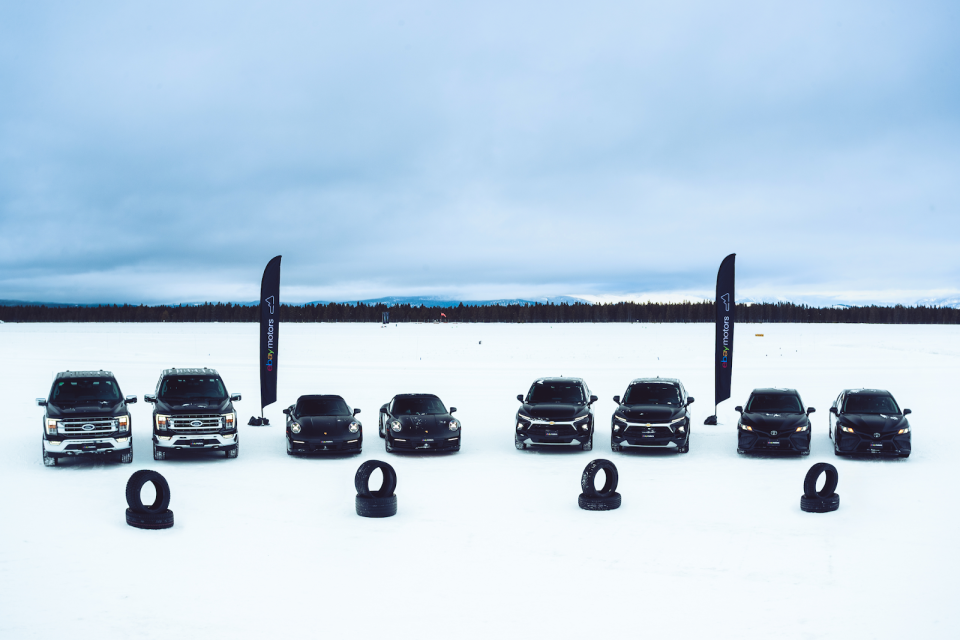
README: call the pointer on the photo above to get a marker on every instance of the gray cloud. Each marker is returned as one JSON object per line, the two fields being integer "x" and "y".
{"x": 164, "y": 152}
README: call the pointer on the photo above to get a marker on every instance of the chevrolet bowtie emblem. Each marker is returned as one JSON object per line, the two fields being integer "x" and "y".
{"x": 551, "y": 422}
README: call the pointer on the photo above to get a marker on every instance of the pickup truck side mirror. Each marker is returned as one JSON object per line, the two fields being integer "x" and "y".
{"x": 520, "y": 397}
{"x": 235, "y": 397}
{"x": 738, "y": 409}
{"x": 834, "y": 411}
{"x": 810, "y": 410}
{"x": 690, "y": 400}
{"x": 41, "y": 402}
{"x": 453, "y": 409}
{"x": 356, "y": 411}
{"x": 907, "y": 412}
{"x": 593, "y": 399}
{"x": 130, "y": 400}
{"x": 616, "y": 399}
{"x": 150, "y": 397}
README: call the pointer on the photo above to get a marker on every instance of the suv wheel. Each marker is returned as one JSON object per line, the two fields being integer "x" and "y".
{"x": 158, "y": 453}
{"x": 517, "y": 443}
{"x": 588, "y": 445}
{"x": 48, "y": 460}
{"x": 685, "y": 448}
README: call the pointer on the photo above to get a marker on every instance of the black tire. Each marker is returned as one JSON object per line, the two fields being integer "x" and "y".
{"x": 136, "y": 482}
{"x": 126, "y": 457}
{"x": 519, "y": 445}
{"x": 819, "y": 504}
{"x": 904, "y": 455}
{"x": 380, "y": 430}
{"x": 161, "y": 520}
{"x": 387, "y": 445}
{"x": 48, "y": 460}
{"x": 805, "y": 453}
{"x": 810, "y": 480}
{"x": 616, "y": 447}
{"x": 740, "y": 451}
{"x": 589, "y": 476}
{"x": 158, "y": 453}
{"x": 234, "y": 451}
{"x": 685, "y": 448}
{"x": 588, "y": 446}
{"x": 593, "y": 503}
{"x": 361, "y": 481}
{"x": 374, "y": 507}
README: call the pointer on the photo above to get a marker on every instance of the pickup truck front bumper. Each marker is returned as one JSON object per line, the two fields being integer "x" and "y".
{"x": 84, "y": 446}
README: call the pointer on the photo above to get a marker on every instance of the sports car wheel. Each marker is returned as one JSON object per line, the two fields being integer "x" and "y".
{"x": 361, "y": 481}
{"x": 371, "y": 507}
{"x": 160, "y": 520}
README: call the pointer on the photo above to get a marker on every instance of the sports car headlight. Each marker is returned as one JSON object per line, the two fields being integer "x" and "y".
{"x": 846, "y": 429}
{"x": 904, "y": 430}
{"x": 294, "y": 427}
{"x": 454, "y": 425}
{"x": 395, "y": 425}
{"x": 52, "y": 426}
{"x": 803, "y": 428}
{"x": 123, "y": 423}
{"x": 162, "y": 422}
{"x": 620, "y": 418}
{"x": 354, "y": 427}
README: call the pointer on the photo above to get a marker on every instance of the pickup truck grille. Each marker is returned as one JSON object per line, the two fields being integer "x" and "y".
{"x": 196, "y": 423}
{"x": 93, "y": 426}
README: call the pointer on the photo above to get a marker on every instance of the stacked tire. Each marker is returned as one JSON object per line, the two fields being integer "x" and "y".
{"x": 381, "y": 503}
{"x": 606, "y": 498}
{"x": 826, "y": 499}
{"x": 153, "y": 516}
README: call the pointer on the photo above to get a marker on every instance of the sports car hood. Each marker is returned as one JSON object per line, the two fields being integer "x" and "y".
{"x": 425, "y": 423}
{"x": 780, "y": 422}
{"x": 872, "y": 423}
{"x": 86, "y": 410}
{"x": 553, "y": 411}
{"x": 195, "y": 406}
{"x": 324, "y": 425}
{"x": 650, "y": 412}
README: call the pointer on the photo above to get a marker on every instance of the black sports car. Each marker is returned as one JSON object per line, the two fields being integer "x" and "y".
{"x": 556, "y": 412}
{"x": 653, "y": 413}
{"x": 774, "y": 420}
{"x": 870, "y": 422}
{"x": 322, "y": 423}
{"x": 419, "y": 421}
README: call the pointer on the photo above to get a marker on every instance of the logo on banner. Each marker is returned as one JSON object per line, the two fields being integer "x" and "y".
{"x": 725, "y": 297}
{"x": 270, "y": 332}
{"x": 269, "y": 301}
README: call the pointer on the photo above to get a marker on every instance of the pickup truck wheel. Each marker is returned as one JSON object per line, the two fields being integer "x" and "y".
{"x": 127, "y": 456}
{"x": 158, "y": 453}
{"x": 48, "y": 460}
{"x": 234, "y": 452}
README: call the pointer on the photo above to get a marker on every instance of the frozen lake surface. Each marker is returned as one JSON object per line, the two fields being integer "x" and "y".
{"x": 489, "y": 541}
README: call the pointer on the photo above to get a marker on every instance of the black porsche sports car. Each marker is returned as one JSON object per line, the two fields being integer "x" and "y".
{"x": 419, "y": 421}
{"x": 556, "y": 412}
{"x": 320, "y": 423}
{"x": 653, "y": 413}
{"x": 869, "y": 422}
{"x": 774, "y": 420}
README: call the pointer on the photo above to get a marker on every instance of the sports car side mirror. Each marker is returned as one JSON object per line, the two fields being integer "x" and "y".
{"x": 690, "y": 400}
{"x": 356, "y": 411}
{"x": 383, "y": 409}
{"x": 616, "y": 399}
{"x": 453, "y": 409}
{"x": 287, "y": 411}
{"x": 738, "y": 409}
{"x": 520, "y": 397}
{"x": 234, "y": 397}
{"x": 907, "y": 412}
{"x": 149, "y": 397}
{"x": 41, "y": 402}
{"x": 834, "y": 411}
{"x": 811, "y": 410}
{"x": 130, "y": 400}
{"x": 593, "y": 399}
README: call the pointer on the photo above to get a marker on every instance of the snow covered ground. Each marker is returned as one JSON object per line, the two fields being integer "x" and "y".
{"x": 489, "y": 541}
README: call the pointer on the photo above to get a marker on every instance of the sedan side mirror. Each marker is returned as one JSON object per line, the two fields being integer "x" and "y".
{"x": 811, "y": 410}
{"x": 616, "y": 399}
{"x": 907, "y": 412}
{"x": 520, "y": 397}
{"x": 150, "y": 397}
{"x": 593, "y": 399}
{"x": 453, "y": 409}
{"x": 356, "y": 411}
{"x": 738, "y": 409}
{"x": 130, "y": 400}
{"x": 690, "y": 400}
{"x": 834, "y": 411}
{"x": 234, "y": 397}
{"x": 41, "y": 402}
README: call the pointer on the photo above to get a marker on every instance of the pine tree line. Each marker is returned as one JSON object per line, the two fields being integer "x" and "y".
{"x": 515, "y": 313}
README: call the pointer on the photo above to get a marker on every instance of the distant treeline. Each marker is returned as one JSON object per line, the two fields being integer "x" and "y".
{"x": 518, "y": 313}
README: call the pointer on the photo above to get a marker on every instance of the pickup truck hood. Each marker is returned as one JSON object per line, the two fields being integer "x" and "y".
{"x": 86, "y": 410}
{"x": 194, "y": 407}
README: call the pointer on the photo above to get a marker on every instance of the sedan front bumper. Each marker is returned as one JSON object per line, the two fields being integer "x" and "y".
{"x": 754, "y": 442}
{"x": 890, "y": 444}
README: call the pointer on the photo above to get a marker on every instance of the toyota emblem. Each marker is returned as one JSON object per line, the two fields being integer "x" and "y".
{"x": 196, "y": 423}
{"x": 773, "y": 433}
{"x": 88, "y": 427}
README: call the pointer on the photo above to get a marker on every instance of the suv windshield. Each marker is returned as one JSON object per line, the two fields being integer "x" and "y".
{"x": 774, "y": 403}
{"x": 184, "y": 388}
{"x": 555, "y": 392}
{"x": 85, "y": 390}
{"x": 418, "y": 405}
{"x": 862, "y": 403}
{"x": 653, "y": 393}
{"x": 322, "y": 406}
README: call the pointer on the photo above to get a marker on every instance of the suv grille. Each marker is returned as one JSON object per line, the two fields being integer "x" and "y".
{"x": 196, "y": 423}
{"x": 76, "y": 426}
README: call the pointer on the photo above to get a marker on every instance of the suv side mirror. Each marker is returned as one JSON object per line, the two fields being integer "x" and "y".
{"x": 616, "y": 399}
{"x": 690, "y": 400}
{"x": 810, "y": 410}
{"x": 150, "y": 397}
{"x": 593, "y": 399}
{"x": 130, "y": 400}
{"x": 834, "y": 411}
{"x": 520, "y": 397}
{"x": 453, "y": 409}
{"x": 41, "y": 402}
{"x": 907, "y": 412}
{"x": 738, "y": 409}
{"x": 356, "y": 411}
{"x": 235, "y": 397}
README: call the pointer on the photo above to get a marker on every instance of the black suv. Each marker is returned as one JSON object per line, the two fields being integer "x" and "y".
{"x": 653, "y": 413}
{"x": 412, "y": 421}
{"x": 556, "y": 412}
{"x": 869, "y": 421}
{"x": 86, "y": 414}
{"x": 774, "y": 420}
{"x": 193, "y": 411}
{"x": 322, "y": 423}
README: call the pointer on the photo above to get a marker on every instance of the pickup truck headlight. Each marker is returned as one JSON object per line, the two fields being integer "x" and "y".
{"x": 52, "y": 426}
{"x": 354, "y": 427}
{"x": 454, "y": 425}
{"x": 229, "y": 420}
{"x": 295, "y": 427}
{"x": 395, "y": 425}
{"x": 123, "y": 423}
{"x": 162, "y": 422}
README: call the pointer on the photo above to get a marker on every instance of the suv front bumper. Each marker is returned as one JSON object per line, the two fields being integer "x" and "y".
{"x": 196, "y": 440}
{"x": 84, "y": 446}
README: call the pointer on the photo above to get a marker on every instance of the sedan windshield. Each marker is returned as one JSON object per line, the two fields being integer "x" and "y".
{"x": 85, "y": 390}
{"x": 186, "y": 388}
{"x": 544, "y": 391}
{"x": 862, "y": 403}
{"x": 774, "y": 403}
{"x": 322, "y": 406}
{"x": 418, "y": 405}
{"x": 653, "y": 393}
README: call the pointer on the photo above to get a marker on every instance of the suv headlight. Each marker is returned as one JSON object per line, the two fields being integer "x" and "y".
{"x": 52, "y": 426}
{"x": 620, "y": 418}
{"x": 229, "y": 420}
{"x": 395, "y": 425}
{"x": 354, "y": 427}
{"x": 295, "y": 427}
{"x": 454, "y": 425}
{"x": 525, "y": 418}
{"x": 581, "y": 419}
{"x": 123, "y": 423}
{"x": 162, "y": 422}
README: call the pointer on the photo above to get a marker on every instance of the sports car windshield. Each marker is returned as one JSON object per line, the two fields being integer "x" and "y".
{"x": 421, "y": 405}
{"x": 774, "y": 403}
{"x": 85, "y": 390}
{"x": 333, "y": 406}
{"x": 556, "y": 393}
{"x": 653, "y": 393}
{"x": 860, "y": 403}
{"x": 186, "y": 388}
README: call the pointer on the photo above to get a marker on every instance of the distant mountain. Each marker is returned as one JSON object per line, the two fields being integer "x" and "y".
{"x": 437, "y": 301}
{"x": 52, "y": 305}
{"x": 953, "y": 303}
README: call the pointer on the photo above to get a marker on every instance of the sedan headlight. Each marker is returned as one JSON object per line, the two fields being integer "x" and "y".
{"x": 846, "y": 429}
{"x": 904, "y": 430}
{"x": 395, "y": 425}
{"x": 803, "y": 428}
{"x": 162, "y": 422}
{"x": 745, "y": 427}
{"x": 123, "y": 423}
{"x": 354, "y": 427}
{"x": 295, "y": 427}
{"x": 52, "y": 426}
{"x": 454, "y": 425}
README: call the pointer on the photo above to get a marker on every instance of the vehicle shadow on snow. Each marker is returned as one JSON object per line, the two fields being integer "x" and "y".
{"x": 648, "y": 453}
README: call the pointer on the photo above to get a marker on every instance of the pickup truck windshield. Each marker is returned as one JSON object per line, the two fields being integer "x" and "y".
{"x": 85, "y": 390}
{"x": 182, "y": 389}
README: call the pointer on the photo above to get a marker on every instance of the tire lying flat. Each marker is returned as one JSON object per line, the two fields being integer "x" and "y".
{"x": 160, "y": 520}
{"x": 376, "y": 507}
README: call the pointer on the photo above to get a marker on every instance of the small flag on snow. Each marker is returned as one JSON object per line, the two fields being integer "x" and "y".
{"x": 443, "y": 315}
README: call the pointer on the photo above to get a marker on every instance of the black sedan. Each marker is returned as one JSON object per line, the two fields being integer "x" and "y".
{"x": 653, "y": 413}
{"x": 322, "y": 423}
{"x": 774, "y": 420}
{"x": 556, "y": 412}
{"x": 419, "y": 421}
{"x": 869, "y": 422}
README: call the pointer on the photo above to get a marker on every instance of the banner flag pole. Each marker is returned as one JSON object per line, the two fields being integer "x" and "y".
{"x": 269, "y": 337}
{"x": 726, "y": 310}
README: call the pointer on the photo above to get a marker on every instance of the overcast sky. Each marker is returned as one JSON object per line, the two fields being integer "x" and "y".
{"x": 165, "y": 151}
